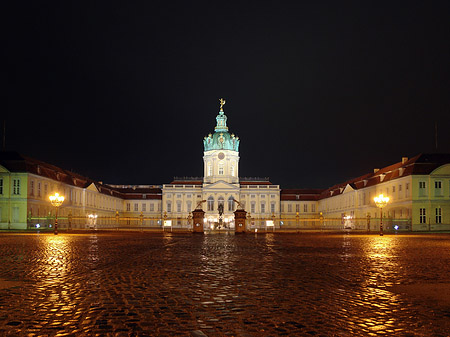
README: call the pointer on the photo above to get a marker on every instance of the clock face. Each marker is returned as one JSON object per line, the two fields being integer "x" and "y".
{"x": 221, "y": 155}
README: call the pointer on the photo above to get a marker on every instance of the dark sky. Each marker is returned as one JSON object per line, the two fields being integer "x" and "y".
{"x": 318, "y": 91}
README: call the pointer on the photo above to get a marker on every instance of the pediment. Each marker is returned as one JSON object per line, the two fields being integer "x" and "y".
{"x": 220, "y": 186}
{"x": 348, "y": 188}
{"x": 92, "y": 187}
{"x": 442, "y": 170}
{"x": 3, "y": 169}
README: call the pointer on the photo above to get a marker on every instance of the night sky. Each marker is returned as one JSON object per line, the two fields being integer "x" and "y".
{"x": 318, "y": 91}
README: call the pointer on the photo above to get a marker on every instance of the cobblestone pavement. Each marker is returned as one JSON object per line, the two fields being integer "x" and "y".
{"x": 163, "y": 284}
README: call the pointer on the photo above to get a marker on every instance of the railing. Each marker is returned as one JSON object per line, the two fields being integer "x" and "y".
{"x": 178, "y": 223}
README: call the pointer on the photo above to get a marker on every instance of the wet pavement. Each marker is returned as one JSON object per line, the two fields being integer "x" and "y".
{"x": 163, "y": 284}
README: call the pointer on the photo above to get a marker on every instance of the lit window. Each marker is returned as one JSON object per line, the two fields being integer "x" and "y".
{"x": 231, "y": 204}
{"x": 221, "y": 201}
{"x": 210, "y": 204}
{"x": 209, "y": 170}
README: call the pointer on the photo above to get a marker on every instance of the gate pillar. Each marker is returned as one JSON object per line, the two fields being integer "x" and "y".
{"x": 240, "y": 217}
{"x": 198, "y": 216}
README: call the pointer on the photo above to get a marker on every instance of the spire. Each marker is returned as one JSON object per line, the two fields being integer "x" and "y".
{"x": 221, "y": 118}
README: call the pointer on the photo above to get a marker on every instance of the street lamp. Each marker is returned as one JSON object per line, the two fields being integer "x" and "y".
{"x": 381, "y": 201}
{"x": 56, "y": 201}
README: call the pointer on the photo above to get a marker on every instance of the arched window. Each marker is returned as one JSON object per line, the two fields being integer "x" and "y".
{"x": 232, "y": 170}
{"x": 221, "y": 201}
{"x": 231, "y": 204}
{"x": 210, "y": 204}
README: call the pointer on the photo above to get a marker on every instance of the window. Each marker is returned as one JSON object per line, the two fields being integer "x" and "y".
{"x": 1, "y": 186}
{"x": 144, "y": 207}
{"x": 289, "y": 208}
{"x": 128, "y": 207}
{"x": 210, "y": 204}
{"x": 438, "y": 187}
{"x": 421, "y": 184}
{"x": 152, "y": 207}
{"x": 209, "y": 170}
{"x": 189, "y": 196}
{"x": 16, "y": 186}
{"x": 313, "y": 207}
{"x": 188, "y": 206}
{"x": 438, "y": 215}
{"x": 136, "y": 207}
{"x": 272, "y": 207}
{"x": 253, "y": 196}
{"x": 305, "y": 208}
{"x": 399, "y": 188}
{"x": 252, "y": 207}
{"x": 32, "y": 187}
{"x": 422, "y": 217}
{"x": 45, "y": 190}
{"x": 393, "y": 189}
{"x": 232, "y": 170}
{"x": 169, "y": 207}
{"x": 297, "y": 207}
{"x": 231, "y": 204}
{"x": 39, "y": 189}
{"x": 178, "y": 196}
{"x": 220, "y": 168}
{"x": 263, "y": 207}
{"x": 422, "y": 188}
{"x": 179, "y": 206}
{"x": 263, "y": 196}
{"x": 407, "y": 190}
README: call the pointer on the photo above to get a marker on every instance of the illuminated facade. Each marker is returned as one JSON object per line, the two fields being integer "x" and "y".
{"x": 419, "y": 191}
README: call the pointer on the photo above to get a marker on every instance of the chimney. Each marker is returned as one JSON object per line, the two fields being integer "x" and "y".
{"x": 404, "y": 160}
{"x": 375, "y": 170}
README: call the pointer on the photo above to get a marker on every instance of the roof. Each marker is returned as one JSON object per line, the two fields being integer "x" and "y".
{"x": 300, "y": 194}
{"x": 15, "y": 162}
{"x": 422, "y": 164}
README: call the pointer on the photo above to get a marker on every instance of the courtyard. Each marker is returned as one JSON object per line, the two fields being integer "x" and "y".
{"x": 258, "y": 284}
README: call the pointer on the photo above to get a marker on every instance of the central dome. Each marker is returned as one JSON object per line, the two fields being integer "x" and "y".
{"x": 221, "y": 138}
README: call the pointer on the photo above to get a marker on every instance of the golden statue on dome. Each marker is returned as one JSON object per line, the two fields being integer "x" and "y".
{"x": 222, "y": 103}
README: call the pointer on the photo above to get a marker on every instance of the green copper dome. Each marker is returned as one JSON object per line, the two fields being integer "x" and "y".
{"x": 221, "y": 139}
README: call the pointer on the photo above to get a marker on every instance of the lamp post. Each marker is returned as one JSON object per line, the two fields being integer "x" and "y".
{"x": 381, "y": 201}
{"x": 56, "y": 201}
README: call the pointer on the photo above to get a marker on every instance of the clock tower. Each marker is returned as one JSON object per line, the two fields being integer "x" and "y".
{"x": 221, "y": 153}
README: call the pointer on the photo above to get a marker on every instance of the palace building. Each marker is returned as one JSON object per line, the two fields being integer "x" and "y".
{"x": 418, "y": 188}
